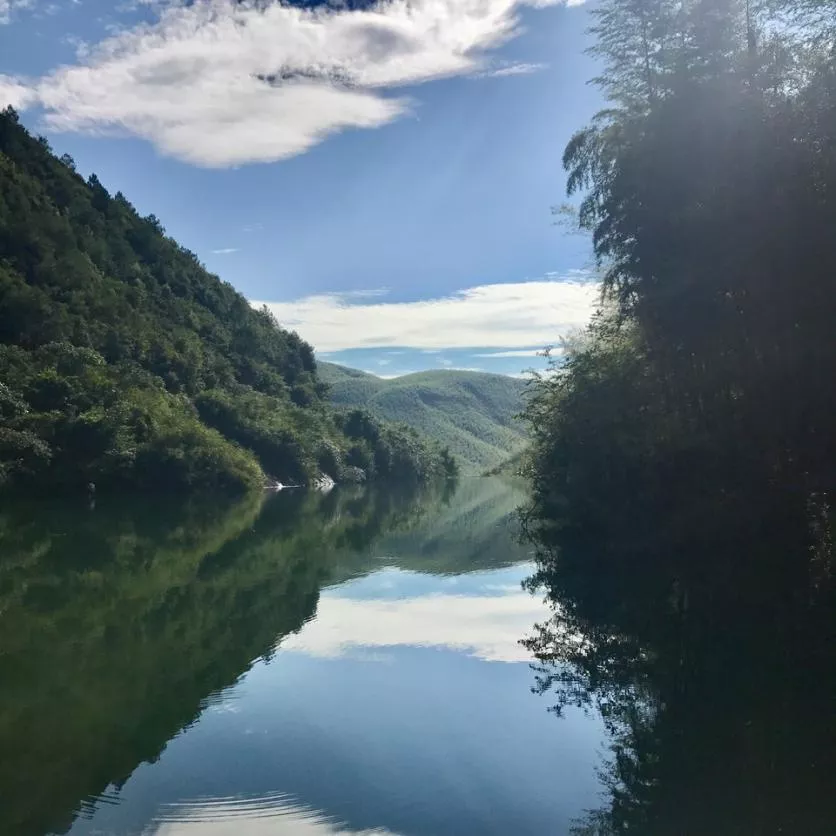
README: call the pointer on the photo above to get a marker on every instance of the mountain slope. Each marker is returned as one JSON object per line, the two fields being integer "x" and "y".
{"x": 123, "y": 362}
{"x": 472, "y": 413}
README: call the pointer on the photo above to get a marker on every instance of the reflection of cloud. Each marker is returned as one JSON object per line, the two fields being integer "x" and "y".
{"x": 488, "y": 316}
{"x": 488, "y": 628}
{"x": 222, "y": 82}
{"x": 276, "y": 814}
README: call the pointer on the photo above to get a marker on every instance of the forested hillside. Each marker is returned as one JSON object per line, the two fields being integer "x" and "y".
{"x": 472, "y": 413}
{"x": 123, "y": 362}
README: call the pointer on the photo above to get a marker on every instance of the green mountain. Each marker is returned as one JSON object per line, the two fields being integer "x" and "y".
{"x": 123, "y": 362}
{"x": 471, "y": 413}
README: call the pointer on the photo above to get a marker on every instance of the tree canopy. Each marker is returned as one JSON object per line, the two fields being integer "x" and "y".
{"x": 684, "y": 450}
{"x": 124, "y": 362}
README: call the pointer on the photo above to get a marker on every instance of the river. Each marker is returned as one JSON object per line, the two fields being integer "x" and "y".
{"x": 296, "y": 664}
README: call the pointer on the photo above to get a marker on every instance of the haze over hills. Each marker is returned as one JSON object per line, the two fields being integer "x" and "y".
{"x": 472, "y": 413}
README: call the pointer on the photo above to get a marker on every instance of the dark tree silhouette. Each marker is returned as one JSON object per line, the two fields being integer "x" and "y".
{"x": 684, "y": 452}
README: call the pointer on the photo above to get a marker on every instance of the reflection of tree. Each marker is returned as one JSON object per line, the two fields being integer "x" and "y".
{"x": 479, "y": 531}
{"x": 430, "y": 532}
{"x": 707, "y": 646}
{"x": 116, "y": 625}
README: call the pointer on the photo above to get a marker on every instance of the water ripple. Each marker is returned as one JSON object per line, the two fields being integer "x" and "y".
{"x": 280, "y": 810}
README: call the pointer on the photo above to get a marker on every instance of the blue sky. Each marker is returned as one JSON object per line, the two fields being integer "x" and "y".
{"x": 382, "y": 177}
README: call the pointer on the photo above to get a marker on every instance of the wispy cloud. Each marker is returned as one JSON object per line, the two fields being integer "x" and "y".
{"x": 525, "y": 352}
{"x": 8, "y": 7}
{"x": 225, "y": 251}
{"x": 502, "y": 316}
{"x": 503, "y": 70}
{"x": 220, "y": 83}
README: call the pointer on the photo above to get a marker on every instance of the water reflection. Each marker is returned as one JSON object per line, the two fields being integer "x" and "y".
{"x": 258, "y": 815}
{"x": 485, "y": 622}
{"x": 312, "y": 665}
{"x": 703, "y": 633}
{"x": 117, "y": 625}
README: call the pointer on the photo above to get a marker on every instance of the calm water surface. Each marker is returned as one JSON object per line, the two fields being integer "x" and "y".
{"x": 313, "y": 665}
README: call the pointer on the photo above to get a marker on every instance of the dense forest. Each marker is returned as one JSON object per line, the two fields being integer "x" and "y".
{"x": 473, "y": 414}
{"x": 125, "y": 364}
{"x": 684, "y": 452}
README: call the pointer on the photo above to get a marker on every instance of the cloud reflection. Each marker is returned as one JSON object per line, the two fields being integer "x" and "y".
{"x": 276, "y": 814}
{"x": 487, "y": 628}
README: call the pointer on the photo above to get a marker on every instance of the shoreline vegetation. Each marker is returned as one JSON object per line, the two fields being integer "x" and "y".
{"x": 124, "y": 364}
{"x": 682, "y": 464}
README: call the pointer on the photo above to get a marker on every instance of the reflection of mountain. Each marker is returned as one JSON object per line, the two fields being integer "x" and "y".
{"x": 477, "y": 532}
{"x": 116, "y": 625}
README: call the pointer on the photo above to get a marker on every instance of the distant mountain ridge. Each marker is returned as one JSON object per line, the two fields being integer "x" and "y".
{"x": 472, "y": 413}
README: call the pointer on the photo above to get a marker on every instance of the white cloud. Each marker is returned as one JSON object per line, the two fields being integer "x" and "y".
{"x": 14, "y": 91}
{"x": 219, "y": 83}
{"x": 488, "y": 316}
{"x": 7, "y": 7}
{"x": 383, "y": 376}
{"x": 525, "y": 352}
{"x": 488, "y": 628}
{"x": 225, "y": 251}
{"x": 503, "y": 70}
